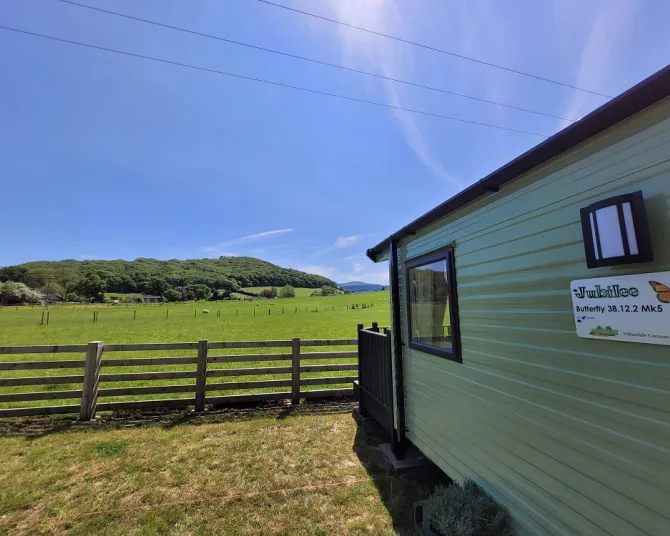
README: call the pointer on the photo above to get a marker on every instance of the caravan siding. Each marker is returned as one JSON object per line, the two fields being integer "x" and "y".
{"x": 571, "y": 435}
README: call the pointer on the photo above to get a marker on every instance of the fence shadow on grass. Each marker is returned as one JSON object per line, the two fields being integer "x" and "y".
{"x": 398, "y": 493}
{"x": 36, "y": 427}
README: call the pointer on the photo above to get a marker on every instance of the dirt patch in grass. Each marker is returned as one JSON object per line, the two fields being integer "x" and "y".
{"x": 270, "y": 470}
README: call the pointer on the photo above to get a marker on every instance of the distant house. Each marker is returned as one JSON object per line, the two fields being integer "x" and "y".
{"x": 152, "y": 299}
{"x": 51, "y": 298}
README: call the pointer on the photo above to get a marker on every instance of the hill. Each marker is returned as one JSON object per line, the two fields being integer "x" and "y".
{"x": 141, "y": 275}
{"x": 360, "y": 286}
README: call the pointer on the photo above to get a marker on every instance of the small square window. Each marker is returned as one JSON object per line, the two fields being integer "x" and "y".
{"x": 433, "y": 317}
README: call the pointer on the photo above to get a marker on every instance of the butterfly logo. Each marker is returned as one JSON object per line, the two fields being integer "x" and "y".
{"x": 662, "y": 291}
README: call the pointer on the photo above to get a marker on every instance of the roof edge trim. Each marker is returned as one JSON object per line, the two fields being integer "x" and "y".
{"x": 643, "y": 95}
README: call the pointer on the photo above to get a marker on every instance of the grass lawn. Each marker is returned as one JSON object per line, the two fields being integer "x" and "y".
{"x": 315, "y": 318}
{"x": 276, "y": 470}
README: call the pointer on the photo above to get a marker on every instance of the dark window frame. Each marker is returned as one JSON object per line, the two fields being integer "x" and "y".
{"x": 447, "y": 254}
{"x": 642, "y": 234}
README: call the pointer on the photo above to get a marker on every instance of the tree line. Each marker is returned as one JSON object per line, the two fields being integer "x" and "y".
{"x": 171, "y": 279}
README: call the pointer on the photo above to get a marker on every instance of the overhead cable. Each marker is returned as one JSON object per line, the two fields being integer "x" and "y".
{"x": 269, "y": 82}
{"x": 434, "y": 49}
{"x": 312, "y": 60}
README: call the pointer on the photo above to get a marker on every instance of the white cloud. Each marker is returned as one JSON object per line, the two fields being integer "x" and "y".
{"x": 389, "y": 60}
{"x": 245, "y": 239}
{"x": 338, "y": 270}
{"x": 341, "y": 242}
{"x": 346, "y": 241}
{"x": 325, "y": 271}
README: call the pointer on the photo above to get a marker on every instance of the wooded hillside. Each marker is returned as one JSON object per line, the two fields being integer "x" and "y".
{"x": 144, "y": 275}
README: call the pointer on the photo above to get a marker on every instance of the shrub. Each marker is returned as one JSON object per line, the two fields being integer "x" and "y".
{"x": 200, "y": 291}
{"x": 466, "y": 511}
{"x": 189, "y": 295}
{"x": 71, "y": 297}
{"x": 13, "y": 293}
{"x": 328, "y": 290}
{"x": 287, "y": 292}
{"x": 172, "y": 295}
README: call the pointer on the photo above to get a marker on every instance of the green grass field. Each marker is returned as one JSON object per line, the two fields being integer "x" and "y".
{"x": 314, "y": 318}
{"x": 299, "y": 292}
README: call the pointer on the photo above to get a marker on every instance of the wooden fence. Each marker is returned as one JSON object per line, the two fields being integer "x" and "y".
{"x": 375, "y": 386}
{"x": 201, "y": 392}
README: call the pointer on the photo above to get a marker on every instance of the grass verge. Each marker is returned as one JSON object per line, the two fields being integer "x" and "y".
{"x": 277, "y": 470}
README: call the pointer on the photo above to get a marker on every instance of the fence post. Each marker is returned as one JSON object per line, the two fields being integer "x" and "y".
{"x": 359, "y": 331}
{"x": 295, "y": 372}
{"x": 201, "y": 376}
{"x": 375, "y": 327}
{"x": 89, "y": 392}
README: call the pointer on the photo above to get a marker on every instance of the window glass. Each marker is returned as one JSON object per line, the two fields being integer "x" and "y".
{"x": 429, "y": 304}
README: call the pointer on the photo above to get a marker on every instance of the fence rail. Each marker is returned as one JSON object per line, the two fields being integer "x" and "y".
{"x": 202, "y": 391}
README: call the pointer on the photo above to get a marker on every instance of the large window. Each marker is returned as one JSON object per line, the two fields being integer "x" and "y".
{"x": 433, "y": 313}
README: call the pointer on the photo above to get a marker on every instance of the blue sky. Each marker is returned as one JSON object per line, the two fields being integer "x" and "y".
{"x": 104, "y": 156}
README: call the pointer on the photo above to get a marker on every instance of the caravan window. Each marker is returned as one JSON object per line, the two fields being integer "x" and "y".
{"x": 433, "y": 317}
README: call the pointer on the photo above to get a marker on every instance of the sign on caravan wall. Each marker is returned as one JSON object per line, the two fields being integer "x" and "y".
{"x": 632, "y": 308}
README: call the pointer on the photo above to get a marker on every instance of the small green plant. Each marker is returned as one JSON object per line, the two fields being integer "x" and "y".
{"x": 465, "y": 510}
{"x": 109, "y": 449}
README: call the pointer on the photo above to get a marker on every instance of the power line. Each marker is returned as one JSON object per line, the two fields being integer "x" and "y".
{"x": 434, "y": 49}
{"x": 269, "y": 82}
{"x": 304, "y": 58}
